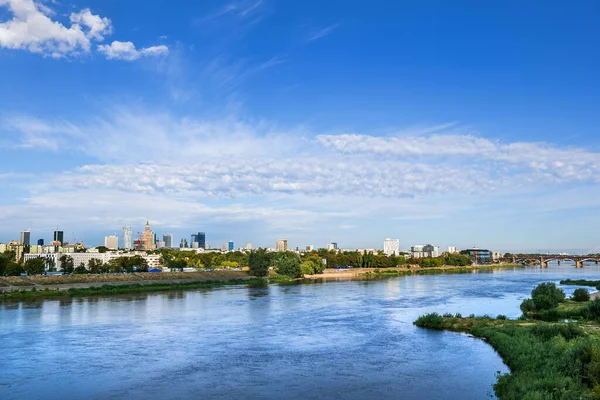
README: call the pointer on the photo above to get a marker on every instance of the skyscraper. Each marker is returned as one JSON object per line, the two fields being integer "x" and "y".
{"x": 127, "y": 240}
{"x": 168, "y": 239}
{"x": 40, "y": 242}
{"x": 201, "y": 240}
{"x": 230, "y": 245}
{"x": 59, "y": 236}
{"x": 183, "y": 244}
{"x": 25, "y": 238}
{"x": 148, "y": 238}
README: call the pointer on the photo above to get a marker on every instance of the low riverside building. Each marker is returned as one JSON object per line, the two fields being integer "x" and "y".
{"x": 153, "y": 260}
{"x": 423, "y": 251}
{"x": 479, "y": 256}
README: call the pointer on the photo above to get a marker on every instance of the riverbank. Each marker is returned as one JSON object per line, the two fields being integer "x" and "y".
{"x": 130, "y": 283}
{"x": 333, "y": 274}
{"x": 548, "y": 357}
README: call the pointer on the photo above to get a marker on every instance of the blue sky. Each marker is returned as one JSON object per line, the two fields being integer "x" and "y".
{"x": 453, "y": 123}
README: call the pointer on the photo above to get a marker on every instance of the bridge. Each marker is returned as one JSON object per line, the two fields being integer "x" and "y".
{"x": 543, "y": 260}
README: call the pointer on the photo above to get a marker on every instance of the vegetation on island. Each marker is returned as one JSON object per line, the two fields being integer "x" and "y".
{"x": 548, "y": 358}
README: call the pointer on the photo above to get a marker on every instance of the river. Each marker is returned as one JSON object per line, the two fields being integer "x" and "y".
{"x": 344, "y": 339}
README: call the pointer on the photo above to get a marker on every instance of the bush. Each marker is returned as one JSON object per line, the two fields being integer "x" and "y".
{"x": 501, "y": 317}
{"x": 581, "y": 295}
{"x": 594, "y": 308}
{"x": 548, "y": 331}
{"x": 546, "y": 296}
{"x": 431, "y": 321}
{"x": 527, "y": 305}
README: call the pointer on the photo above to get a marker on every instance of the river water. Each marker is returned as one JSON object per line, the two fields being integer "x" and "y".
{"x": 343, "y": 339}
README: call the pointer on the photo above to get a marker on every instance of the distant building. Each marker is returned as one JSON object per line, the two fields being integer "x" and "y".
{"x": 201, "y": 238}
{"x": 40, "y": 242}
{"x": 479, "y": 256}
{"x": 160, "y": 244}
{"x": 59, "y": 236}
{"x": 25, "y": 238}
{"x": 249, "y": 246}
{"x": 282, "y": 245}
{"x": 332, "y": 246}
{"x": 111, "y": 242}
{"x": 168, "y": 239}
{"x": 230, "y": 245}
{"x": 309, "y": 247}
{"x": 183, "y": 244}
{"x": 426, "y": 250}
{"x": 391, "y": 247}
{"x": 452, "y": 250}
{"x": 127, "y": 238}
{"x": 148, "y": 238}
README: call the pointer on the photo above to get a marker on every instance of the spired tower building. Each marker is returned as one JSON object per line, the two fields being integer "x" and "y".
{"x": 148, "y": 238}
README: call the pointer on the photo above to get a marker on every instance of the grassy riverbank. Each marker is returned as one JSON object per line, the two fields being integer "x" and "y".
{"x": 548, "y": 357}
{"x": 48, "y": 293}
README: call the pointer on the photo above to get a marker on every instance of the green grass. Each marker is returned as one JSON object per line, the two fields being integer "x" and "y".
{"x": 125, "y": 289}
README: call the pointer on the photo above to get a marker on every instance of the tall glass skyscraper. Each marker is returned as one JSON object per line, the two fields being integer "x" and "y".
{"x": 201, "y": 238}
{"x": 230, "y": 245}
{"x": 59, "y": 236}
{"x": 168, "y": 239}
{"x": 127, "y": 239}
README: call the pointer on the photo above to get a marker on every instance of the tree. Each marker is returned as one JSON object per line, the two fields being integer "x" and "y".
{"x": 288, "y": 263}
{"x": 50, "y": 263}
{"x": 581, "y": 294}
{"x": 81, "y": 269}
{"x": 102, "y": 249}
{"x": 177, "y": 265}
{"x": 67, "y": 264}
{"x": 544, "y": 297}
{"x": 96, "y": 266}
{"x": 258, "y": 262}
{"x": 13, "y": 269}
{"x": 35, "y": 266}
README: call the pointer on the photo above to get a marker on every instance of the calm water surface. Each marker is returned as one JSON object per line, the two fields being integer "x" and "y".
{"x": 346, "y": 340}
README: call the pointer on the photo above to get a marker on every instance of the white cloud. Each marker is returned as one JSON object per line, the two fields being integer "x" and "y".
{"x": 33, "y": 29}
{"x": 127, "y": 51}
{"x": 322, "y": 32}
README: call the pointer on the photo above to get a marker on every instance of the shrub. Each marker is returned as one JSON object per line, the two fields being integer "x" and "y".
{"x": 431, "y": 321}
{"x": 501, "y": 317}
{"x": 546, "y": 331}
{"x": 546, "y": 296}
{"x": 527, "y": 305}
{"x": 581, "y": 295}
{"x": 594, "y": 308}
{"x": 448, "y": 315}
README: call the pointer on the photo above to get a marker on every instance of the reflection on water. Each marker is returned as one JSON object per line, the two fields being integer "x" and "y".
{"x": 342, "y": 339}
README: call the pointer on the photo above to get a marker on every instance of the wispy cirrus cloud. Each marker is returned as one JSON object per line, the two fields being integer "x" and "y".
{"x": 33, "y": 29}
{"x": 322, "y": 32}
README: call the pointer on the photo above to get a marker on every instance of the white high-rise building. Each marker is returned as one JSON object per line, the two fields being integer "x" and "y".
{"x": 391, "y": 247}
{"x": 127, "y": 239}
{"x": 309, "y": 247}
{"x": 249, "y": 246}
{"x": 111, "y": 242}
{"x": 452, "y": 250}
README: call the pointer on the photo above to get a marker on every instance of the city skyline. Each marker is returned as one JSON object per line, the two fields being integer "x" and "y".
{"x": 428, "y": 124}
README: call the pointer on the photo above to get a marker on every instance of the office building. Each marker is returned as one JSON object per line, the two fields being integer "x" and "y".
{"x": 309, "y": 247}
{"x": 127, "y": 239}
{"x": 452, "y": 250}
{"x": 332, "y": 246}
{"x": 248, "y": 246}
{"x": 183, "y": 244}
{"x": 25, "y": 238}
{"x": 40, "y": 242}
{"x": 391, "y": 247}
{"x": 194, "y": 239}
{"x": 201, "y": 239}
{"x": 168, "y": 239}
{"x": 160, "y": 244}
{"x": 59, "y": 237}
{"x": 282, "y": 245}
{"x": 426, "y": 250}
{"x": 230, "y": 245}
{"x": 111, "y": 242}
{"x": 479, "y": 256}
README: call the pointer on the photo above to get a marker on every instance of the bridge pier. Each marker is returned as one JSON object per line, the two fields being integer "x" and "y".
{"x": 558, "y": 262}
{"x": 579, "y": 264}
{"x": 543, "y": 264}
